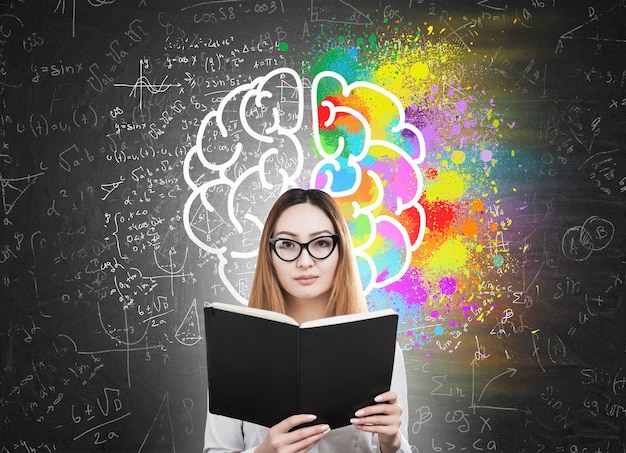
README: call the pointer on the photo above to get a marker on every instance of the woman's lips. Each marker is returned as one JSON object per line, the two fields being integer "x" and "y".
{"x": 306, "y": 279}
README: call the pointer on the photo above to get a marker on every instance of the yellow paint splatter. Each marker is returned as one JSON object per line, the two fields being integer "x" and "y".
{"x": 448, "y": 186}
{"x": 458, "y": 156}
{"x": 419, "y": 70}
{"x": 389, "y": 76}
{"x": 451, "y": 256}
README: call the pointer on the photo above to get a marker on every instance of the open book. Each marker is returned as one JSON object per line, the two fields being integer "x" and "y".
{"x": 264, "y": 367}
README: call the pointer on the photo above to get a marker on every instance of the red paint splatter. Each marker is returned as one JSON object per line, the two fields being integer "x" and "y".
{"x": 410, "y": 220}
{"x": 323, "y": 113}
{"x": 440, "y": 215}
{"x": 432, "y": 173}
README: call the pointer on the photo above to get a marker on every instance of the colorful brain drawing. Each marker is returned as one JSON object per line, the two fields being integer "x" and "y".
{"x": 407, "y": 146}
{"x": 370, "y": 164}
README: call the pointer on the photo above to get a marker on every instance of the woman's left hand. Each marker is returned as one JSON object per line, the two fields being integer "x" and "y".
{"x": 384, "y": 419}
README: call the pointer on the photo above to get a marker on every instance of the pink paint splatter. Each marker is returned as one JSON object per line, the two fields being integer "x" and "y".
{"x": 460, "y": 106}
{"x": 447, "y": 285}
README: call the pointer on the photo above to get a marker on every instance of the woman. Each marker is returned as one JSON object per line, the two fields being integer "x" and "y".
{"x": 307, "y": 270}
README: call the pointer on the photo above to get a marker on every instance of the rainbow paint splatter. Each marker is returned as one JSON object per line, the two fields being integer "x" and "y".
{"x": 416, "y": 185}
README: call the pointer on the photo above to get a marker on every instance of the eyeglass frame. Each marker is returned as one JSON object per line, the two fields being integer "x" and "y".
{"x": 303, "y": 246}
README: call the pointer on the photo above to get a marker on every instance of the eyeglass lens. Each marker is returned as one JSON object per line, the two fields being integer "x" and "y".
{"x": 289, "y": 250}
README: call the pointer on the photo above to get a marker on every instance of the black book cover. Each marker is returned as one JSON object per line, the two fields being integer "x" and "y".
{"x": 263, "y": 367}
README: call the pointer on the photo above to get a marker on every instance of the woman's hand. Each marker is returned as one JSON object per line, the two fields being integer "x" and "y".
{"x": 280, "y": 439}
{"x": 383, "y": 419}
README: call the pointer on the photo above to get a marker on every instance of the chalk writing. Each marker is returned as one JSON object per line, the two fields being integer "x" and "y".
{"x": 476, "y": 151}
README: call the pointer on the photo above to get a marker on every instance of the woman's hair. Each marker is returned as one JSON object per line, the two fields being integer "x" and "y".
{"x": 346, "y": 295}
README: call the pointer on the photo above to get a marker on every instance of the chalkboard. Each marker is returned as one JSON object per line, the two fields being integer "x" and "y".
{"x": 476, "y": 148}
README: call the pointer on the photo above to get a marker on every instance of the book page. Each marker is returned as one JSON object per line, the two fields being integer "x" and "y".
{"x": 347, "y": 318}
{"x": 255, "y": 312}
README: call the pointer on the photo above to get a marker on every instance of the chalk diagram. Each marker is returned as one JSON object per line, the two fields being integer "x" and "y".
{"x": 143, "y": 82}
{"x": 595, "y": 18}
{"x": 13, "y": 189}
{"x": 161, "y": 433}
{"x": 61, "y": 6}
{"x": 340, "y": 12}
{"x": 247, "y": 152}
{"x": 580, "y": 241}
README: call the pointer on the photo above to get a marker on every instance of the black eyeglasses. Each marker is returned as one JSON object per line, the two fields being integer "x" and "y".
{"x": 319, "y": 248}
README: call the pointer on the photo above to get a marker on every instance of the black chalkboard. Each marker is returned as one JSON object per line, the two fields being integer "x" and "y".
{"x": 127, "y": 205}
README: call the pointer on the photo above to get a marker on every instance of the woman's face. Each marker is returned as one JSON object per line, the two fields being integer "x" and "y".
{"x": 305, "y": 279}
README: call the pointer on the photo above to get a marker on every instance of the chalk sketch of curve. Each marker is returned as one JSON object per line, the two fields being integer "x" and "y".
{"x": 143, "y": 82}
{"x": 247, "y": 149}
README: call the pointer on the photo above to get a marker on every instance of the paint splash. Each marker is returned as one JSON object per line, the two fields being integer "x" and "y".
{"x": 453, "y": 234}
{"x": 409, "y": 143}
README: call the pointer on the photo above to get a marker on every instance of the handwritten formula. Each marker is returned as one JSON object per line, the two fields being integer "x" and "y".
{"x": 475, "y": 148}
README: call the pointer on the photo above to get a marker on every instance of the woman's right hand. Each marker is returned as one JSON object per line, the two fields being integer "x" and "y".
{"x": 280, "y": 438}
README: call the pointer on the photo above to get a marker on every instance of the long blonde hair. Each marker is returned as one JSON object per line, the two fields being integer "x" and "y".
{"x": 346, "y": 296}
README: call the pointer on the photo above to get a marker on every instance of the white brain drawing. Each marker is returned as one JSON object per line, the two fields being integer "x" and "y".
{"x": 250, "y": 149}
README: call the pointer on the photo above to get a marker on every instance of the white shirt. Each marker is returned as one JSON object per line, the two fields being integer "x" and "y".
{"x": 228, "y": 435}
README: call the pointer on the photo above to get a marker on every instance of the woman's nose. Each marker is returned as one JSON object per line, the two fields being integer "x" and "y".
{"x": 305, "y": 259}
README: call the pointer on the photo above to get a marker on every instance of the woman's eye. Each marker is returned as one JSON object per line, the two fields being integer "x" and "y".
{"x": 322, "y": 243}
{"x": 285, "y": 244}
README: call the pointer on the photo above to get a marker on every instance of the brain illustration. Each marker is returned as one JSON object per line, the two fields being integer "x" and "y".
{"x": 256, "y": 144}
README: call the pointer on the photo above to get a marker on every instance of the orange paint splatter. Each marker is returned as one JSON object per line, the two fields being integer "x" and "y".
{"x": 478, "y": 205}
{"x": 469, "y": 228}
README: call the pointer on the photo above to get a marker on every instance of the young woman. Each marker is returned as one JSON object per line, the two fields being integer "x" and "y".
{"x": 307, "y": 270}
